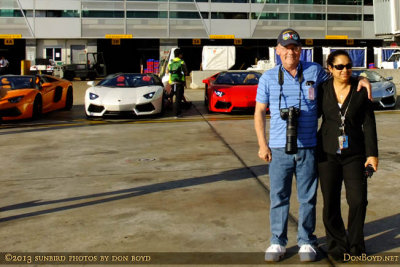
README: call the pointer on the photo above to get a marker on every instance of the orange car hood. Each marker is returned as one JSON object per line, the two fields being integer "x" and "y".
{"x": 18, "y": 92}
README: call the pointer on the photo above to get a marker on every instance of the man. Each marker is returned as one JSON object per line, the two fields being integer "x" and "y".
{"x": 290, "y": 91}
{"x": 3, "y": 65}
{"x": 177, "y": 71}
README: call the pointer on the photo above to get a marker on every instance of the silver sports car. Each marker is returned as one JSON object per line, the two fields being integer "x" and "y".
{"x": 129, "y": 93}
{"x": 383, "y": 90}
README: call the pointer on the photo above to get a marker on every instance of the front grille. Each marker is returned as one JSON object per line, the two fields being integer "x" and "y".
{"x": 223, "y": 105}
{"x": 246, "y": 109}
{"x": 388, "y": 100}
{"x": 145, "y": 107}
{"x": 10, "y": 112}
{"x": 95, "y": 108}
{"x": 118, "y": 113}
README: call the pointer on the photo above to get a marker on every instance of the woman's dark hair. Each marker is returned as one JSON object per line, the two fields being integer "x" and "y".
{"x": 332, "y": 56}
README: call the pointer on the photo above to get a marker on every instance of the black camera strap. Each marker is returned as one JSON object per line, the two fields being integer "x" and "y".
{"x": 343, "y": 116}
{"x": 281, "y": 81}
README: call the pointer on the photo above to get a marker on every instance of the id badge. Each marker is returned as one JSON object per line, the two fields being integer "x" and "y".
{"x": 311, "y": 93}
{"x": 343, "y": 142}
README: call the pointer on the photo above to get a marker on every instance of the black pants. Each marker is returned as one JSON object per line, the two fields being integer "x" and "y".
{"x": 179, "y": 92}
{"x": 333, "y": 170}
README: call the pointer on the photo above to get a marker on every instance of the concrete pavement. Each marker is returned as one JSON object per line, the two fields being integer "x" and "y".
{"x": 162, "y": 185}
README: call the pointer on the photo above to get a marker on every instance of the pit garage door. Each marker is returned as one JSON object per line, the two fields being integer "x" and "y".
{"x": 129, "y": 55}
{"x": 14, "y": 52}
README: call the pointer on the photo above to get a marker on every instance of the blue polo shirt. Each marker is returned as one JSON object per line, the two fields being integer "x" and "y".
{"x": 268, "y": 93}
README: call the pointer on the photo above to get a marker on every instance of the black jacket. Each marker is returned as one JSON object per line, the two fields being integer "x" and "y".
{"x": 360, "y": 124}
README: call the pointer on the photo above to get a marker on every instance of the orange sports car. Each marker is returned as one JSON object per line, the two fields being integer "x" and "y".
{"x": 28, "y": 96}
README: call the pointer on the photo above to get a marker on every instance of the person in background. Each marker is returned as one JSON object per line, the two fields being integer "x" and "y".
{"x": 177, "y": 70}
{"x": 347, "y": 142}
{"x": 3, "y": 65}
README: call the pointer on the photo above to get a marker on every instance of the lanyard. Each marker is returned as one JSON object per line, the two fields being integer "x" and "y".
{"x": 281, "y": 81}
{"x": 343, "y": 117}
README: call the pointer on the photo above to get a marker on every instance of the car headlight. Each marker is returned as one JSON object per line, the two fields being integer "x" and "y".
{"x": 15, "y": 99}
{"x": 149, "y": 95}
{"x": 390, "y": 90}
{"x": 219, "y": 93}
{"x": 93, "y": 96}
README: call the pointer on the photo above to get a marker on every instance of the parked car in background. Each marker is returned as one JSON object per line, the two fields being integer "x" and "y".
{"x": 129, "y": 93}
{"x": 384, "y": 92}
{"x": 93, "y": 67}
{"x": 29, "y": 96}
{"x": 43, "y": 66}
{"x": 227, "y": 91}
{"x": 393, "y": 62}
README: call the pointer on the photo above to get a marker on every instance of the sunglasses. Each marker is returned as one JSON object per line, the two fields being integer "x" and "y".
{"x": 341, "y": 66}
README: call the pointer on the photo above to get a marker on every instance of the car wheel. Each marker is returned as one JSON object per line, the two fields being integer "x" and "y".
{"x": 91, "y": 118}
{"x": 69, "y": 101}
{"x": 37, "y": 108}
{"x": 69, "y": 75}
{"x": 209, "y": 107}
{"x": 83, "y": 78}
{"x": 92, "y": 76}
{"x": 205, "y": 96}
{"x": 163, "y": 103}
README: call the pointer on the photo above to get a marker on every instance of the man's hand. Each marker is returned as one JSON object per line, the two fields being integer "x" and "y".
{"x": 264, "y": 153}
{"x": 364, "y": 82}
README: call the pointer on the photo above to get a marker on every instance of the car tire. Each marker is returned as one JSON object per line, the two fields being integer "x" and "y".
{"x": 69, "y": 75}
{"x": 205, "y": 96}
{"x": 208, "y": 108}
{"x": 163, "y": 102}
{"x": 69, "y": 100}
{"x": 37, "y": 108}
{"x": 92, "y": 76}
{"x": 83, "y": 78}
{"x": 88, "y": 117}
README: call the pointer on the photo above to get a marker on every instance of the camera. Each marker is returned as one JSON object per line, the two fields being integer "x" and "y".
{"x": 290, "y": 115}
{"x": 369, "y": 170}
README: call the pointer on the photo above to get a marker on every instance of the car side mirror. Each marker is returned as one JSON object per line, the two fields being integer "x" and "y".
{"x": 389, "y": 78}
{"x": 91, "y": 83}
{"x": 206, "y": 81}
{"x": 44, "y": 85}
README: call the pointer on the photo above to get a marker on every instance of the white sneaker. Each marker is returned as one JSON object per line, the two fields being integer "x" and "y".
{"x": 307, "y": 253}
{"x": 275, "y": 252}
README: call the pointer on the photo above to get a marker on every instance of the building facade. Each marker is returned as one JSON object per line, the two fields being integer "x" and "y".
{"x": 64, "y": 30}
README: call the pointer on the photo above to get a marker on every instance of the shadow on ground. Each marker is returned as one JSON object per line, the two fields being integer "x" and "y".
{"x": 229, "y": 176}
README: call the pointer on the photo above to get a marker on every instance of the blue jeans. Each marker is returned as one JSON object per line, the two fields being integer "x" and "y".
{"x": 281, "y": 170}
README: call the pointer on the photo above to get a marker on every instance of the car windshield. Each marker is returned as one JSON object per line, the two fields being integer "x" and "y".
{"x": 17, "y": 82}
{"x": 372, "y": 76}
{"x": 238, "y": 78}
{"x": 128, "y": 80}
{"x": 394, "y": 57}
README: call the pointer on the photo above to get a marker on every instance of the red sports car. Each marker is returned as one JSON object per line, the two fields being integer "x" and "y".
{"x": 231, "y": 90}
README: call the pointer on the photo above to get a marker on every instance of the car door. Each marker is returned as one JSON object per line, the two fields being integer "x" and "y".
{"x": 47, "y": 90}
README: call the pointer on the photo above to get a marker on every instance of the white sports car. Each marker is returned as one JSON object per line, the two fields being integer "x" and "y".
{"x": 130, "y": 93}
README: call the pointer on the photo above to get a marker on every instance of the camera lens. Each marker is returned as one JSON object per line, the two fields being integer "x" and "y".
{"x": 291, "y": 131}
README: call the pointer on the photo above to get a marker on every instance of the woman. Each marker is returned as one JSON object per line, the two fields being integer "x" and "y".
{"x": 347, "y": 144}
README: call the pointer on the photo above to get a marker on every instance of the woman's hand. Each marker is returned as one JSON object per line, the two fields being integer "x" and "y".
{"x": 373, "y": 161}
{"x": 364, "y": 82}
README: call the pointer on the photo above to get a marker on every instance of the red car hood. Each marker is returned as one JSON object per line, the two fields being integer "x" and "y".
{"x": 238, "y": 90}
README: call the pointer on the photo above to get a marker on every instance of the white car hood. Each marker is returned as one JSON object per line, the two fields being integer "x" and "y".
{"x": 126, "y": 94}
